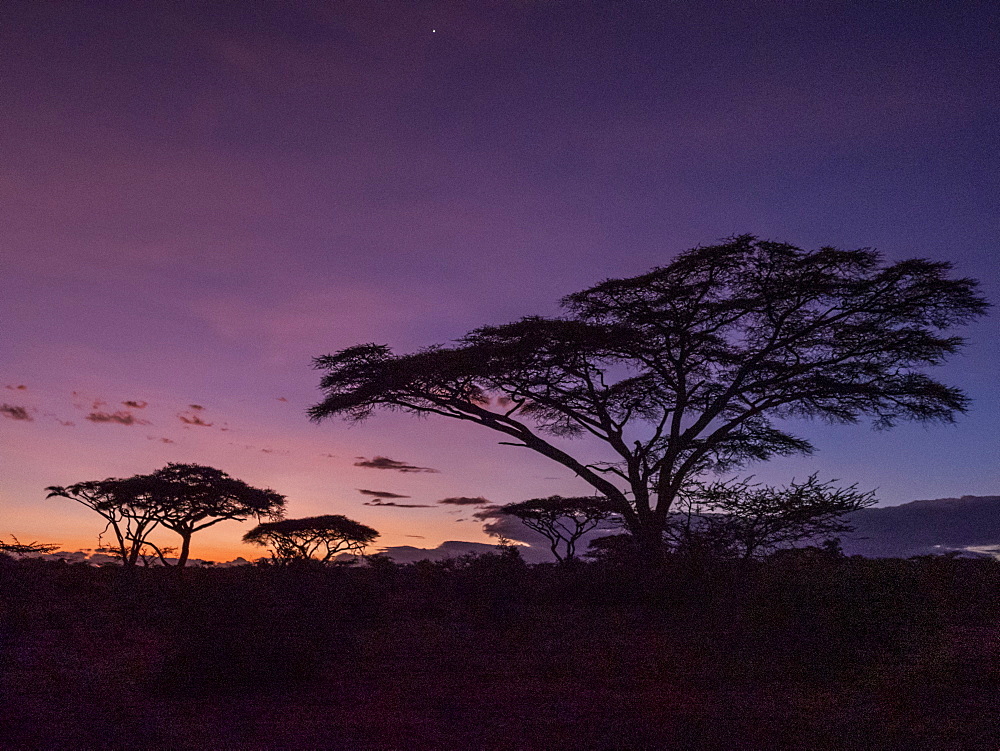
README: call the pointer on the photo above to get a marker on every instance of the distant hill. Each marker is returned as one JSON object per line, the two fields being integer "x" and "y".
{"x": 456, "y": 548}
{"x": 926, "y": 527}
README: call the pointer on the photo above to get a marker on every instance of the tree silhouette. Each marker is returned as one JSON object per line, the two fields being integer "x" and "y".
{"x": 127, "y": 514}
{"x": 685, "y": 369}
{"x": 740, "y": 518}
{"x": 22, "y": 549}
{"x": 183, "y": 498}
{"x": 562, "y": 521}
{"x": 318, "y": 537}
{"x": 186, "y": 498}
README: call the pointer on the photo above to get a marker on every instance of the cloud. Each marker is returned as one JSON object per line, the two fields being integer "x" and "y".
{"x": 381, "y": 493}
{"x": 15, "y": 413}
{"x": 19, "y": 387}
{"x": 282, "y": 399}
{"x": 461, "y": 500}
{"x": 135, "y": 404}
{"x": 384, "y": 462}
{"x": 66, "y": 423}
{"x": 196, "y": 406}
{"x": 397, "y": 505}
{"x": 121, "y": 418}
{"x": 193, "y": 420}
{"x": 161, "y": 440}
{"x": 489, "y": 512}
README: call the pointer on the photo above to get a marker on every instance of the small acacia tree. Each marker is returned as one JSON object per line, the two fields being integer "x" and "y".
{"x": 747, "y": 520}
{"x": 562, "y": 521}
{"x": 316, "y": 537}
{"x": 687, "y": 368}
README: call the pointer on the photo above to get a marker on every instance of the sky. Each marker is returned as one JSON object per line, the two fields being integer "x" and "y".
{"x": 198, "y": 198}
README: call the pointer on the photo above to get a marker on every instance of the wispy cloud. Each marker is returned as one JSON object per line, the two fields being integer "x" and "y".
{"x": 384, "y": 462}
{"x": 461, "y": 500}
{"x": 191, "y": 419}
{"x": 119, "y": 418}
{"x": 489, "y": 512}
{"x": 380, "y": 493}
{"x": 15, "y": 413}
{"x": 397, "y": 505}
{"x": 135, "y": 404}
{"x": 19, "y": 387}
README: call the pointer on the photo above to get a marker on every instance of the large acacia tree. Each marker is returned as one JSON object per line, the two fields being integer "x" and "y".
{"x": 691, "y": 367}
{"x": 187, "y": 498}
{"x": 184, "y": 498}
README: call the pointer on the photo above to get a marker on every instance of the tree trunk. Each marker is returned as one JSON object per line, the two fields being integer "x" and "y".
{"x": 185, "y": 550}
{"x": 650, "y": 538}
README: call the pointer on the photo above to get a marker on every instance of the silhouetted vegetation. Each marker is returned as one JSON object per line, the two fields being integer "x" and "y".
{"x": 317, "y": 538}
{"x": 562, "y": 521}
{"x": 803, "y": 650}
{"x": 738, "y": 518}
{"x": 20, "y": 549}
{"x": 184, "y": 498}
{"x": 686, "y": 369}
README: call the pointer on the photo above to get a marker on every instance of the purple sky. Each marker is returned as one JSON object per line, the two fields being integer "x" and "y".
{"x": 198, "y": 198}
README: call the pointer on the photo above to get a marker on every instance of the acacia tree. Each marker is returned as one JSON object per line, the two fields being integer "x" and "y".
{"x": 691, "y": 367}
{"x": 187, "y": 498}
{"x": 22, "y": 549}
{"x": 127, "y": 514}
{"x": 562, "y": 521}
{"x": 183, "y": 498}
{"x": 748, "y": 520}
{"x": 318, "y": 537}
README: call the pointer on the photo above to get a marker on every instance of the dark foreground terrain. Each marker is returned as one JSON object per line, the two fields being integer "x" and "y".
{"x": 486, "y": 653}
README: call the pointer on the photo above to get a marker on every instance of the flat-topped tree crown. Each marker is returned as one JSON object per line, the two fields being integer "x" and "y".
{"x": 316, "y": 537}
{"x": 562, "y": 521}
{"x": 192, "y": 497}
{"x": 184, "y": 498}
{"x": 686, "y": 368}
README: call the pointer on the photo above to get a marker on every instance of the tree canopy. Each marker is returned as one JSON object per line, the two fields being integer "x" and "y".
{"x": 318, "y": 537}
{"x": 693, "y": 366}
{"x": 191, "y": 497}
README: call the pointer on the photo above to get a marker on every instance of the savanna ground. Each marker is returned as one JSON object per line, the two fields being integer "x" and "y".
{"x": 801, "y": 651}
